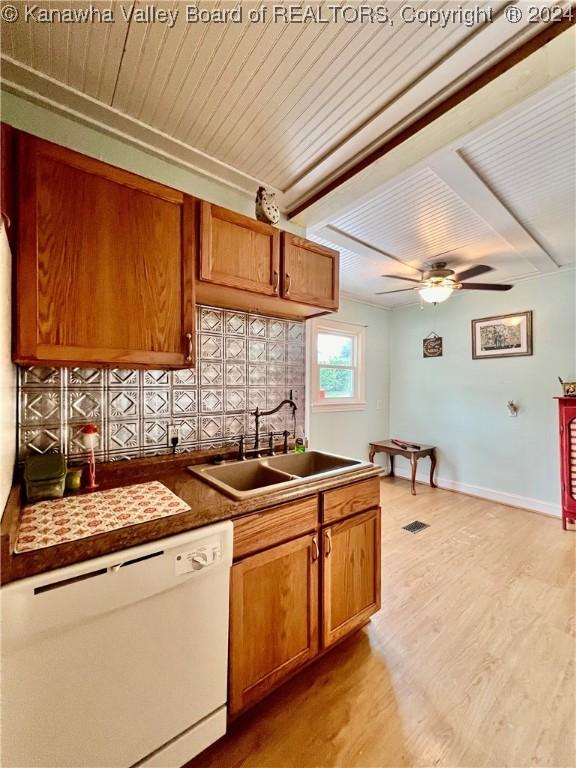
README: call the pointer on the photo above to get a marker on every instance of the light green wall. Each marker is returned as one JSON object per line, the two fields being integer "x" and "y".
{"x": 348, "y": 433}
{"x": 459, "y": 404}
{"x": 67, "y": 132}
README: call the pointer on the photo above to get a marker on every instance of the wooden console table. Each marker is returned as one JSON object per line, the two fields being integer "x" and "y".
{"x": 413, "y": 454}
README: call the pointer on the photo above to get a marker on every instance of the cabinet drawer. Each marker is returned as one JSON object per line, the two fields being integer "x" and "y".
{"x": 342, "y": 502}
{"x": 269, "y": 527}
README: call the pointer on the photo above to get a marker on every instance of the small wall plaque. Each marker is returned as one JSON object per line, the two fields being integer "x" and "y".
{"x": 432, "y": 345}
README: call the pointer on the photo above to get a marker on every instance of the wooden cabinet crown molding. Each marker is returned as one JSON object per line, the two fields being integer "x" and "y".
{"x": 101, "y": 169}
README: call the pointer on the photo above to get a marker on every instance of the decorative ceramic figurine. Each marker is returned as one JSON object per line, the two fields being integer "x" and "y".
{"x": 568, "y": 387}
{"x": 90, "y": 439}
{"x": 266, "y": 206}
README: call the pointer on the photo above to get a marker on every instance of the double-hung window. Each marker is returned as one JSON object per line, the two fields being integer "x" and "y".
{"x": 337, "y": 366}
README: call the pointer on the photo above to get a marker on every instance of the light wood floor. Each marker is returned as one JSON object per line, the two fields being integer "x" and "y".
{"x": 470, "y": 662}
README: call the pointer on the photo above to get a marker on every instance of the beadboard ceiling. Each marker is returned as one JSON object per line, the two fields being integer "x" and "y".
{"x": 292, "y": 105}
{"x": 285, "y": 104}
{"x": 504, "y": 197}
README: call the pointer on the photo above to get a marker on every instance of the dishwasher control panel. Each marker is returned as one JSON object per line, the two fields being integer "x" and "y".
{"x": 204, "y": 554}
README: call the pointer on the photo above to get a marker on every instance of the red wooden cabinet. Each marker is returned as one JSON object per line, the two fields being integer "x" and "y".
{"x": 567, "y": 406}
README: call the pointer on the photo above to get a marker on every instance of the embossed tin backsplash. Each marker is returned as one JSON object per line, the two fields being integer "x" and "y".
{"x": 243, "y": 361}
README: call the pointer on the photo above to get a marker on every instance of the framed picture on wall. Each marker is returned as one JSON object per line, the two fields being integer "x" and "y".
{"x": 502, "y": 336}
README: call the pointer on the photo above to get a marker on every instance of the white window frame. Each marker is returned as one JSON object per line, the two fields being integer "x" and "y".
{"x": 358, "y": 334}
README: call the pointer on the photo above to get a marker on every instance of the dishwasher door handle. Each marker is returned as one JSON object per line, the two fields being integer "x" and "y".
{"x": 116, "y": 567}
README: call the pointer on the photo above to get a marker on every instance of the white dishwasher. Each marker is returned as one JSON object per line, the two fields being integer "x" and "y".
{"x": 121, "y": 660}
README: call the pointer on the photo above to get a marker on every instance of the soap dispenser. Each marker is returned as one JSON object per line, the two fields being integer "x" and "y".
{"x": 299, "y": 445}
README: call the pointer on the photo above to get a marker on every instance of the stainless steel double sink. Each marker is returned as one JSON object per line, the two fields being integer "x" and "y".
{"x": 243, "y": 479}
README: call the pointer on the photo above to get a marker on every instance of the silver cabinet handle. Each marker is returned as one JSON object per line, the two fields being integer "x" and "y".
{"x": 276, "y": 281}
{"x": 190, "y": 350}
{"x": 328, "y": 543}
{"x": 288, "y": 284}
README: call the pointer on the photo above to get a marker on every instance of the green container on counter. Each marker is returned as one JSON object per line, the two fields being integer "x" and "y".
{"x": 45, "y": 476}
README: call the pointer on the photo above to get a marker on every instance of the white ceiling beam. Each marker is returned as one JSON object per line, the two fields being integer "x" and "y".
{"x": 519, "y": 83}
{"x": 343, "y": 240}
{"x": 455, "y": 171}
{"x": 457, "y": 68}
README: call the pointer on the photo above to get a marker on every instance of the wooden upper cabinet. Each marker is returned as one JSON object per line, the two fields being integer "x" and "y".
{"x": 273, "y": 619}
{"x": 239, "y": 252}
{"x": 310, "y": 272}
{"x": 242, "y": 266}
{"x": 105, "y": 264}
{"x": 8, "y": 182}
{"x": 351, "y": 574}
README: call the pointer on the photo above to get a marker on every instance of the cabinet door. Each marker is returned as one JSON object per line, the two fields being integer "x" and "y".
{"x": 238, "y": 251}
{"x": 351, "y": 574}
{"x": 310, "y": 272}
{"x": 568, "y": 455}
{"x": 273, "y": 618}
{"x": 7, "y": 183}
{"x": 104, "y": 266}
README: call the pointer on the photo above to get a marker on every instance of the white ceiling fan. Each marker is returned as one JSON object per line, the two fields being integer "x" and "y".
{"x": 437, "y": 283}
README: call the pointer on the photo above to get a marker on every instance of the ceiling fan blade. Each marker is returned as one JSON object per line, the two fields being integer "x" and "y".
{"x": 399, "y": 277}
{"x": 479, "y": 269}
{"x": 399, "y": 290}
{"x": 486, "y": 286}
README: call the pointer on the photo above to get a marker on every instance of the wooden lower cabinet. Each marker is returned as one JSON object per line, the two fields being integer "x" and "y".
{"x": 350, "y": 574}
{"x": 273, "y": 618}
{"x": 296, "y": 599}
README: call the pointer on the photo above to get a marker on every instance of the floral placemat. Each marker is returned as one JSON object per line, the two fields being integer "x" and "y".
{"x": 74, "y": 517}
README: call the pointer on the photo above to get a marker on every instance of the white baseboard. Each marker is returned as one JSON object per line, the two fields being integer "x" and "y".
{"x": 501, "y": 497}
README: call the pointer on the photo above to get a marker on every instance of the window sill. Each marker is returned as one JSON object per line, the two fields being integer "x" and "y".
{"x": 322, "y": 407}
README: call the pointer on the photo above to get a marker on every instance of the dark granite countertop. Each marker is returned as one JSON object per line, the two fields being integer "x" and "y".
{"x": 207, "y": 505}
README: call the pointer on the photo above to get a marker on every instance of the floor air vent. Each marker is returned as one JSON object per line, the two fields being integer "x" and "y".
{"x": 415, "y": 526}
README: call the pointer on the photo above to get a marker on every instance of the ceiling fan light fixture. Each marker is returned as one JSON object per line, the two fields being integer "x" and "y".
{"x": 435, "y": 292}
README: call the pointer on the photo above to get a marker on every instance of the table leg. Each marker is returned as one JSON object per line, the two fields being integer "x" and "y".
{"x": 391, "y": 473}
{"x": 432, "y": 468}
{"x": 371, "y": 455}
{"x": 413, "y": 462}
